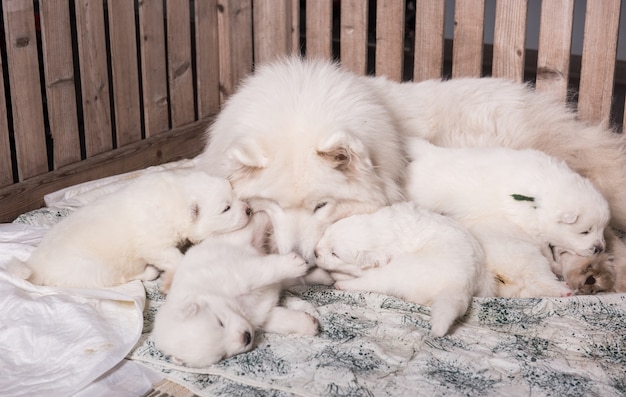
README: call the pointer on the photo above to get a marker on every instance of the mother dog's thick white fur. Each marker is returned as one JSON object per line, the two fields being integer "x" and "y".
{"x": 312, "y": 143}
{"x": 507, "y": 197}
{"x": 412, "y": 253}
{"x": 112, "y": 240}
{"x": 309, "y": 144}
{"x": 223, "y": 291}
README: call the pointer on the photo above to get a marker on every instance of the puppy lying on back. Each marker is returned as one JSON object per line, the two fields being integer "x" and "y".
{"x": 516, "y": 202}
{"x": 224, "y": 290}
{"x": 411, "y": 253}
{"x": 113, "y": 240}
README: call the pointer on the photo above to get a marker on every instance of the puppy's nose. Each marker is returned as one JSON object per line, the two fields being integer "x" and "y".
{"x": 598, "y": 249}
{"x": 247, "y": 338}
{"x": 248, "y": 211}
{"x": 316, "y": 254}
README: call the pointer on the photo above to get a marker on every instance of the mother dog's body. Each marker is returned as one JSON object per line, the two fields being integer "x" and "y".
{"x": 310, "y": 143}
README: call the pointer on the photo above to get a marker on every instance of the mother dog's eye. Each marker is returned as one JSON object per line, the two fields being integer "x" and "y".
{"x": 320, "y": 206}
{"x": 226, "y": 209}
{"x": 586, "y": 232}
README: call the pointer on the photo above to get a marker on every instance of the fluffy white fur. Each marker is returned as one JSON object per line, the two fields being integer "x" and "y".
{"x": 115, "y": 238}
{"x": 311, "y": 143}
{"x": 516, "y": 202}
{"x": 222, "y": 293}
{"x": 411, "y": 253}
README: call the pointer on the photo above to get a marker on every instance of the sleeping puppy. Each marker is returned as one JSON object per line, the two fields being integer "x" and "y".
{"x": 516, "y": 202}
{"x": 589, "y": 275}
{"x": 133, "y": 232}
{"x": 225, "y": 290}
{"x": 411, "y": 253}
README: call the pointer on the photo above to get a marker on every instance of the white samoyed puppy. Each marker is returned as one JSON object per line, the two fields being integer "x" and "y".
{"x": 411, "y": 253}
{"x": 225, "y": 290}
{"x": 133, "y": 233}
{"x": 516, "y": 202}
{"x": 311, "y": 143}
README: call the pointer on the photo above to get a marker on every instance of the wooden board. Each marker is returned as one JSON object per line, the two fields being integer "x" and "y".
{"x": 429, "y": 39}
{"x": 25, "y": 89}
{"x": 509, "y": 45}
{"x": 467, "y": 50}
{"x": 180, "y": 73}
{"x": 319, "y": 29}
{"x": 60, "y": 81}
{"x": 125, "y": 71}
{"x": 353, "y": 35}
{"x": 598, "y": 63}
{"x": 94, "y": 76}
{"x": 390, "y": 38}
{"x": 153, "y": 67}
{"x": 207, "y": 58}
{"x": 555, "y": 37}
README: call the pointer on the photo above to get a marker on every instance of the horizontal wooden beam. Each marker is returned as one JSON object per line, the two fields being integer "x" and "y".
{"x": 180, "y": 143}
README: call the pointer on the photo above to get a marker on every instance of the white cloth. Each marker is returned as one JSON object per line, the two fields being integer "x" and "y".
{"x": 58, "y": 342}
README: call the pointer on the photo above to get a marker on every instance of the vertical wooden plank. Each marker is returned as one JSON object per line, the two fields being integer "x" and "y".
{"x": 125, "y": 71}
{"x": 598, "y": 62}
{"x": 353, "y": 35}
{"x": 272, "y": 29}
{"x": 467, "y": 50}
{"x": 509, "y": 44}
{"x": 153, "y": 70}
{"x": 235, "y": 42}
{"x": 390, "y": 38}
{"x": 6, "y": 165}
{"x": 58, "y": 66}
{"x": 295, "y": 27}
{"x": 179, "y": 62}
{"x": 555, "y": 38}
{"x": 319, "y": 29}
{"x": 207, "y": 58}
{"x": 94, "y": 76}
{"x": 23, "y": 68}
{"x": 429, "y": 39}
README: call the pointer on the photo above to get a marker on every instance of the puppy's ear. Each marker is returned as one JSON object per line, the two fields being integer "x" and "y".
{"x": 247, "y": 153}
{"x": 345, "y": 153}
{"x": 568, "y": 217}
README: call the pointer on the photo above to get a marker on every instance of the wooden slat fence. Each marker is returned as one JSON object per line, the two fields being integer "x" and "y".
{"x": 91, "y": 88}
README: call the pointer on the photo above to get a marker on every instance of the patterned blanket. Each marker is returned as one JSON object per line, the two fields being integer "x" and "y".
{"x": 376, "y": 345}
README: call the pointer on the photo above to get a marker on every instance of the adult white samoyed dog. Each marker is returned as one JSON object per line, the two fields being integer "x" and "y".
{"x": 310, "y": 143}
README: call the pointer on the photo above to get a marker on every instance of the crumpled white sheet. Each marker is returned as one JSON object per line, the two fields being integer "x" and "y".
{"x": 60, "y": 342}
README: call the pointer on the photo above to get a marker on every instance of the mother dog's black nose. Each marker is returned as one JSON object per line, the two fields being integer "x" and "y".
{"x": 247, "y": 338}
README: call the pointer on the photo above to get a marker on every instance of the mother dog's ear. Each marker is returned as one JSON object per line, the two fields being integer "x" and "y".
{"x": 344, "y": 153}
{"x": 247, "y": 154}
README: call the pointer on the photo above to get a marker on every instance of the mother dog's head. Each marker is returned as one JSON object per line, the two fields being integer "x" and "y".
{"x": 309, "y": 144}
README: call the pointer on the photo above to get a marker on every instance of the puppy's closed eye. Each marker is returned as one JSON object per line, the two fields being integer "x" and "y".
{"x": 226, "y": 209}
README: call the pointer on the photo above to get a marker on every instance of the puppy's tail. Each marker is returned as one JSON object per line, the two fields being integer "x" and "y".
{"x": 446, "y": 308}
{"x": 19, "y": 269}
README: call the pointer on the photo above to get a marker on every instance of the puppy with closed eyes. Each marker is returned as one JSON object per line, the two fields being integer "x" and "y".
{"x": 411, "y": 253}
{"x": 224, "y": 291}
{"x": 133, "y": 233}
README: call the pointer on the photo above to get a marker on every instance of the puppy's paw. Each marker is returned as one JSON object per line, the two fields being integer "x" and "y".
{"x": 309, "y": 325}
{"x": 293, "y": 265}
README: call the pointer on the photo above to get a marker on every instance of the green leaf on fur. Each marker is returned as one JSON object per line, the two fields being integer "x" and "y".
{"x": 521, "y": 197}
